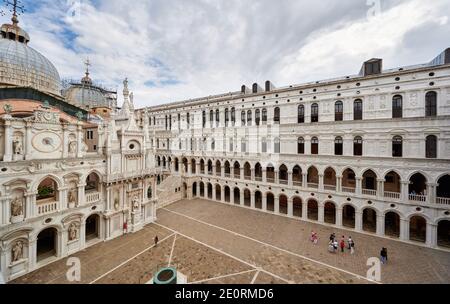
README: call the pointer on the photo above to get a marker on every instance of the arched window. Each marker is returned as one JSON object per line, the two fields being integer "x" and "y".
{"x": 264, "y": 116}
{"x": 264, "y": 145}
{"x": 358, "y": 146}
{"x": 397, "y": 106}
{"x": 188, "y": 120}
{"x": 357, "y": 109}
{"x": 211, "y": 117}
{"x": 204, "y": 119}
{"x": 233, "y": 116}
{"x": 315, "y": 112}
{"x": 338, "y": 111}
{"x": 258, "y": 117}
{"x": 249, "y": 117}
{"x": 338, "y": 146}
{"x": 397, "y": 146}
{"x": 314, "y": 146}
{"x": 300, "y": 145}
{"x": 227, "y": 118}
{"x": 217, "y": 117}
{"x": 243, "y": 118}
{"x": 301, "y": 114}
{"x": 149, "y": 192}
{"x": 276, "y": 115}
{"x": 213, "y": 145}
{"x": 431, "y": 104}
{"x": 431, "y": 146}
{"x": 276, "y": 145}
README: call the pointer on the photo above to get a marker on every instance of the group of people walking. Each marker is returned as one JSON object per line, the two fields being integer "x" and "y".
{"x": 334, "y": 244}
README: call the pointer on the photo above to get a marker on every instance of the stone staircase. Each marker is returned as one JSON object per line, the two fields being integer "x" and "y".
{"x": 169, "y": 191}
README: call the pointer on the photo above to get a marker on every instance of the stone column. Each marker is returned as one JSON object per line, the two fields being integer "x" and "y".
{"x": 339, "y": 183}
{"x": 304, "y": 210}
{"x": 264, "y": 175}
{"x": 252, "y": 200}
{"x": 197, "y": 170}
{"x": 264, "y": 202}
{"x": 380, "y": 188}
{"x": 277, "y": 177}
{"x": 304, "y": 180}
{"x": 241, "y": 196}
{"x": 380, "y": 224}
{"x": 404, "y": 197}
{"x": 63, "y": 201}
{"x": 189, "y": 168}
{"x": 431, "y": 193}
{"x": 290, "y": 179}
{"x": 431, "y": 235}
{"x": 321, "y": 188}
{"x": 222, "y": 196}
{"x": 60, "y": 245}
{"x": 277, "y": 204}
{"x": 222, "y": 169}
{"x": 339, "y": 216}
{"x": 109, "y": 200}
{"x": 81, "y": 195}
{"x": 7, "y": 156}
{"x": 252, "y": 174}
{"x": 290, "y": 206}
{"x": 213, "y": 193}
{"x": 4, "y": 220}
{"x": 79, "y": 140}
{"x": 358, "y": 185}
{"x": 321, "y": 211}
{"x": 404, "y": 229}
{"x": 83, "y": 235}
{"x": 198, "y": 189}
{"x": 242, "y": 173}
{"x": 358, "y": 220}
{"x": 32, "y": 253}
{"x": 28, "y": 145}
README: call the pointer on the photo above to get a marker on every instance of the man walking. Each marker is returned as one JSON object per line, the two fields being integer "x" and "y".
{"x": 342, "y": 244}
{"x": 156, "y": 241}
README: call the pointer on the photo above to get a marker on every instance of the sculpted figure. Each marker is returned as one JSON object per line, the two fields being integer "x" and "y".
{"x": 72, "y": 196}
{"x": 17, "y": 146}
{"x": 17, "y": 251}
{"x": 73, "y": 147}
{"x": 73, "y": 231}
{"x": 135, "y": 203}
{"x": 16, "y": 207}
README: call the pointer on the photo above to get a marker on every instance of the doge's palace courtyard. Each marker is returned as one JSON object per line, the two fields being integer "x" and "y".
{"x": 215, "y": 243}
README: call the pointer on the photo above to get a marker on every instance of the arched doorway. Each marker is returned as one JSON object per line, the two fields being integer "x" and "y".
{"x": 227, "y": 169}
{"x": 218, "y": 193}
{"x": 247, "y": 171}
{"x": 185, "y": 190}
{"x": 202, "y": 189}
{"x": 418, "y": 229}
{"x": 348, "y": 181}
{"x": 348, "y": 216}
{"x": 313, "y": 177}
{"x": 247, "y": 198}
{"x": 443, "y": 233}
{"x": 283, "y": 201}
{"x": 92, "y": 227}
{"x": 270, "y": 202}
{"x": 417, "y": 187}
{"x": 210, "y": 167}
{"x": 283, "y": 175}
{"x": 227, "y": 194}
{"x": 194, "y": 189}
{"x": 258, "y": 172}
{"x": 392, "y": 185}
{"x": 443, "y": 190}
{"x": 330, "y": 213}
{"x": 392, "y": 224}
{"x": 369, "y": 183}
{"x": 210, "y": 191}
{"x": 193, "y": 166}
{"x": 369, "y": 220}
{"x": 258, "y": 200}
{"x": 47, "y": 244}
{"x": 297, "y": 177}
{"x": 297, "y": 207}
{"x": 218, "y": 168}
{"x": 313, "y": 210}
{"x": 329, "y": 179}
{"x": 237, "y": 170}
{"x": 237, "y": 196}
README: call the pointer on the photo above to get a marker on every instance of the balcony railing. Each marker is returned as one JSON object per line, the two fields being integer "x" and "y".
{"x": 443, "y": 201}
{"x": 392, "y": 195}
{"x": 270, "y": 180}
{"x": 348, "y": 189}
{"x": 417, "y": 198}
{"x": 258, "y": 178}
{"x": 329, "y": 187}
{"x": 227, "y": 175}
{"x": 283, "y": 182}
{"x": 46, "y": 207}
{"x": 313, "y": 185}
{"x": 369, "y": 192}
{"x": 297, "y": 183}
{"x": 92, "y": 197}
{"x": 247, "y": 177}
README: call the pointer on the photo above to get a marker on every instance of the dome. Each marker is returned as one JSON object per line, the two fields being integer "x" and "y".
{"x": 21, "y": 65}
{"x": 86, "y": 96}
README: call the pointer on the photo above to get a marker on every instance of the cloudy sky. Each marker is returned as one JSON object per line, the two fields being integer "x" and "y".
{"x": 179, "y": 49}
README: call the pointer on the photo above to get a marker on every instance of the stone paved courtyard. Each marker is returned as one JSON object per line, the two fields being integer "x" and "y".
{"x": 220, "y": 244}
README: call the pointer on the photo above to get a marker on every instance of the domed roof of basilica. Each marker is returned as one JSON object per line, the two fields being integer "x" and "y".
{"x": 22, "y": 66}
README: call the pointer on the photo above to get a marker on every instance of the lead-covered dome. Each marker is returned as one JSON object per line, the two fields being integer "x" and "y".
{"x": 21, "y": 65}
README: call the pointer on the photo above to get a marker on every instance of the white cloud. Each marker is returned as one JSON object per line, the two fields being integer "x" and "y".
{"x": 206, "y": 47}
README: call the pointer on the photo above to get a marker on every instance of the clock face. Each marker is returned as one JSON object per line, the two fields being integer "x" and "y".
{"x": 46, "y": 142}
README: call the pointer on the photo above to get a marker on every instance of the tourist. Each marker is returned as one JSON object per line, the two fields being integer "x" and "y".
{"x": 331, "y": 247}
{"x": 352, "y": 246}
{"x": 335, "y": 245}
{"x": 350, "y": 243}
{"x": 156, "y": 241}
{"x": 342, "y": 244}
{"x": 383, "y": 255}
{"x": 125, "y": 227}
{"x": 312, "y": 236}
{"x": 315, "y": 238}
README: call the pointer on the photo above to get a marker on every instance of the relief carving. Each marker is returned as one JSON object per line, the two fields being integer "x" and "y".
{"x": 17, "y": 252}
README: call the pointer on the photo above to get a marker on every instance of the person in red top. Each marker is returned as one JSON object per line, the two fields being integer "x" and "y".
{"x": 342, "y": 244}
{"x": 125, "y": 227}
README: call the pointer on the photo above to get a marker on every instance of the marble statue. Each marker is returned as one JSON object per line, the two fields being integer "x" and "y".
{"x": 17, "y": 251}
{"x": 17, "y": 146}
{"x": 72, "y": 196}
{"x": 73, "y": 147}
{"x": 17, "y": 207}
{"x": 135, "y": 203}
{"x": 73, "y": 231}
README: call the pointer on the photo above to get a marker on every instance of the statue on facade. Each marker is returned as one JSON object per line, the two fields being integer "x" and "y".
{"x": 17, "y": 251}
{"x": 17, "y": 146}
{"x": 135, "y": 203}
{"x": 72, "y": 196}
{"x": 73, "y": 147}
{"x": 73, "y": 232}
{"x": 17, "y": 207}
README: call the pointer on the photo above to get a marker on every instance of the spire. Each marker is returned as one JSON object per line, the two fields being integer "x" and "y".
{"x": 13, "y": 31}
{"x": 17, "y": 8}
{"x": 86, "y": 79}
